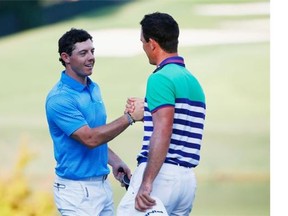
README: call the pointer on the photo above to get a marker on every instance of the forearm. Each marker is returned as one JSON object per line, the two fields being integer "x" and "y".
{"x": 93, "y": 137}
{"x": 109, "y": 131}
{"x": 159, "y": 142}
{"x": 159, "y": 145}
{"x": 157, "y": 153}
{"x": 113, "y": 159}
{"x": 115, "y": 162}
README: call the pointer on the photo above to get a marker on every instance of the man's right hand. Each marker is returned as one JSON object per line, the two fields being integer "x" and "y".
{"x": 135, "y": 107}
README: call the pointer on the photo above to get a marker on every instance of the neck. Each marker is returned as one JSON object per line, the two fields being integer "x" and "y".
{"x": 165, "y": 56}
{"x": 81, "y": 79}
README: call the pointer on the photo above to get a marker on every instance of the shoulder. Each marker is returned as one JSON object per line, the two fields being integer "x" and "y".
{"x": 59, "y": 95}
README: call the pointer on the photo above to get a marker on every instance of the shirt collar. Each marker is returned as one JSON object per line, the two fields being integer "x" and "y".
{"x": 171, "y": 60}
{"x": 74, "y": 83}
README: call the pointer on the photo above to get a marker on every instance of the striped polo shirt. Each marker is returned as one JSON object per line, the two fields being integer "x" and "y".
{"x": 172, "y": 84}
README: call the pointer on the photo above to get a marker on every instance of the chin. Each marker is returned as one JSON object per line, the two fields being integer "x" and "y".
{"x": 89, "y": 72}
{"x": 152, "y": 63}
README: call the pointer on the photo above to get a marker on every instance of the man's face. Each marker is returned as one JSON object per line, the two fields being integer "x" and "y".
{"x": 144, "y": 43}
{"x": 147, "y": 48}
{"x": 82, "y": 59}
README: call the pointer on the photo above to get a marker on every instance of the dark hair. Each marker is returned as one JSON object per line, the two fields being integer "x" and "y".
{"x": 67, "y": 42}
{"x": 162, "y": 28}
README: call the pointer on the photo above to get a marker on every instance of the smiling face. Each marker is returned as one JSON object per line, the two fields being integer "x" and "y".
{"x": 79, "y": 64}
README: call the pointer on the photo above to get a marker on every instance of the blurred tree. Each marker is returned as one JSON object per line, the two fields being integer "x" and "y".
{"x": 23, "y": 14}
{"x": 18, "y": 15}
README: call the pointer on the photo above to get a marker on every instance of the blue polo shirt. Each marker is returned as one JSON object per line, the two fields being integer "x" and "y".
{"x": 69, "y": 106}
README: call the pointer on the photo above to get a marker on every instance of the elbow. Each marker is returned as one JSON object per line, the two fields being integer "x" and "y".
{"x": 87, "y": 140}
{"x": 88, "y": 137}
{"x": 89, "y": 145}
{"x": 91, "y": 142}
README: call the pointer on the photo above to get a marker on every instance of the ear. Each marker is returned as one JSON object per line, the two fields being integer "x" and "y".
{"x": 153, "y": 44}
{"x": 65, "y": 57}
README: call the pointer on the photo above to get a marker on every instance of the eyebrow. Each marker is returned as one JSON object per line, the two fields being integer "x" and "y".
{"x": 85, "y": 50}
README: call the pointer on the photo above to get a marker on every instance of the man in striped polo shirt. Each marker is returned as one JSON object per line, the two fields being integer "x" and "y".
{"x": 173, "y": 126}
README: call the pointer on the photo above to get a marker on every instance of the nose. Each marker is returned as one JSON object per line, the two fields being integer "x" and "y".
{"x": 91, "y": 56}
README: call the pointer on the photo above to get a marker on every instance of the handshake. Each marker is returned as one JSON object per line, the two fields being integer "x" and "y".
{"x": 134, "y": 109}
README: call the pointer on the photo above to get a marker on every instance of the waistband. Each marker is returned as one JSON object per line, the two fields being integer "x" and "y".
{"x": 96, "y": 178}
{"x": 142, "y": 160}
{"x": 170, "y": 169}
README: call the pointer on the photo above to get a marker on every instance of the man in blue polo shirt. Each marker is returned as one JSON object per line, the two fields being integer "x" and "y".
{"x": 174, "y": 114}
{"x": 77, "y": 123}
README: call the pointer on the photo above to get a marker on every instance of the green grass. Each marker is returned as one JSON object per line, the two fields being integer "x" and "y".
{"x": 233, "y": 176}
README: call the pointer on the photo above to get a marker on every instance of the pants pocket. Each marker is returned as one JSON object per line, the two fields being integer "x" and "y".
{"x": 68, "y": 197}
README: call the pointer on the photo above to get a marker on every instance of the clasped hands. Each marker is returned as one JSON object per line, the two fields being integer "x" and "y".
{"x": 135, "y": 107}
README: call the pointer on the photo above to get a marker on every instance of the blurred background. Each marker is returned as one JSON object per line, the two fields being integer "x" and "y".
{"x": 225, "y": 44}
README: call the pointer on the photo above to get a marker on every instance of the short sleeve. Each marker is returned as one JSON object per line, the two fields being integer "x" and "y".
{"x": 159, "y": 92}
{"x": 65, "y": 114}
